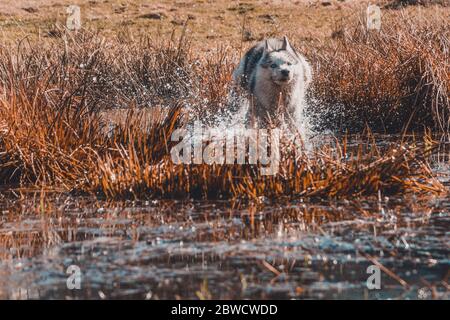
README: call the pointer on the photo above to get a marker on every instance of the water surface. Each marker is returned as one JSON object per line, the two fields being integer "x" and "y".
{"x": 223, "y": 250}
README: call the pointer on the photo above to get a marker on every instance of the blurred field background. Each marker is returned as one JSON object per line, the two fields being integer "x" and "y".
{"x": 210, "y": 22}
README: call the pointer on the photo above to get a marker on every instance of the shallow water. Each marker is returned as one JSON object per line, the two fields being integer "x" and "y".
{"x": 217, "y": 249}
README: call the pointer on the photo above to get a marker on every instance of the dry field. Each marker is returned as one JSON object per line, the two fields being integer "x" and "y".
{"x": 210, "y": 22}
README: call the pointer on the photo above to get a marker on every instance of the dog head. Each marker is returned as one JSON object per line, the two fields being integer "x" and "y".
{"x": 279, "y": 61}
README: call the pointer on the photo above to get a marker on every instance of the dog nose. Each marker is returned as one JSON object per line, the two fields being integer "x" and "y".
{"x": 285, "y": 73}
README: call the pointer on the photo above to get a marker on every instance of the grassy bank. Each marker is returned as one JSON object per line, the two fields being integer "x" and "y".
{"x": 57, "y": 100}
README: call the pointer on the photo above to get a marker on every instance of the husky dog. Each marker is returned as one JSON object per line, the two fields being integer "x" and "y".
{"x": 276, "y": 78}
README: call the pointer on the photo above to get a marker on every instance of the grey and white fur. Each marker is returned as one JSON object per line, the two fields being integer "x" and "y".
{"x": 275, "y": 77}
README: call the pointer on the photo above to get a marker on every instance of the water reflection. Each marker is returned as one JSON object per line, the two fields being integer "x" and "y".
{"x": 166, "y": 249}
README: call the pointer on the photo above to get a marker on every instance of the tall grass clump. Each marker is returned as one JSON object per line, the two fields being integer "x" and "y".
{"x": 46, "y": 114}
{"x": 324, "y": 173}
{"x": 50, "y": 102}
{"x": 391, "y": 80}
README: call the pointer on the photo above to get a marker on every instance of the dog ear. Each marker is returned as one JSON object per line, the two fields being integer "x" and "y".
{"x": 267, "y": 46}
{"x": 286, "y": 45}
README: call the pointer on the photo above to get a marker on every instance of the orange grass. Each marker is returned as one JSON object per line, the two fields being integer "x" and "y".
{"x": 392, "y": 80}
{"x": 54, "y": 132}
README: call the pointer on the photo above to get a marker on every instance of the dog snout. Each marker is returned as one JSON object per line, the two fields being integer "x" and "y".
{"x": 285, "y": 73}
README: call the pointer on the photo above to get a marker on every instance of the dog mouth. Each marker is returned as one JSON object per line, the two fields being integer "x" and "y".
{"x": 282, "y": 81}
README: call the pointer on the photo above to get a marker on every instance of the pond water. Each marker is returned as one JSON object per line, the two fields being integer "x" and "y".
{"x": 223, "y": 250}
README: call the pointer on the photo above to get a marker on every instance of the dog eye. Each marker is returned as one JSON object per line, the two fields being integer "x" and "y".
{"x": 273, "y": 65}
{"x": 289, "y": 64}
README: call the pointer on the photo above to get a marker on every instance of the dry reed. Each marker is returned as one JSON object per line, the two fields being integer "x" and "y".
{"x": 54, "y": 132}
